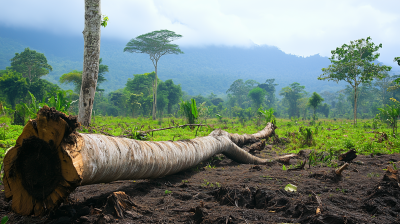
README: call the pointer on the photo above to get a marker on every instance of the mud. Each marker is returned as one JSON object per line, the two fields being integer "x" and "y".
{"x": 223, "y": 191}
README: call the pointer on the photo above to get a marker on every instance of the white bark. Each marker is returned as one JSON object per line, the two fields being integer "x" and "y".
{"x": 105, "y": 159}
{"x": 91, "y": 55}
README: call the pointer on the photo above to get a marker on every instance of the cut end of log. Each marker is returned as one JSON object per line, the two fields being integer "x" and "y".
{"x": 36, "y": 175}
{"x": 339, "y": 170}
{"x": 39, "y": 167}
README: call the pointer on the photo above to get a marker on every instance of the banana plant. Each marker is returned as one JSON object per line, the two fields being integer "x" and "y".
{"x": 268, "y": 114}
{"x": 33, "y": 107}
{"x": 59, "y": 101}
{"x": 189, "y": 110}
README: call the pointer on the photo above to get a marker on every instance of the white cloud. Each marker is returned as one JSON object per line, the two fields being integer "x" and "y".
{"x": 298, "y": 27}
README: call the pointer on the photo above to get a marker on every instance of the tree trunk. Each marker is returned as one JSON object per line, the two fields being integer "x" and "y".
{"x": 355, "y": 106}
{"x": 155, "y": 93}
{"x": 50, "y": 159}
{"x": 91, "y": 36}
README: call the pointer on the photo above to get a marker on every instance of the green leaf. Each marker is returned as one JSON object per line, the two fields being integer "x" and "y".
{"x": 284, "y": 167}
{"x": 290, "y": 187}
{"x": 194, "y": 109}
{"x": 4, "y": 220}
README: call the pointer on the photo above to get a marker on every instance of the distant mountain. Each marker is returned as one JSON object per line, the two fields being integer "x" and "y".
{"x": 198, "y": 70}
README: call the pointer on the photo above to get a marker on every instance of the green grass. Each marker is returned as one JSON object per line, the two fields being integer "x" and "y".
{"x": 341, "y": 136}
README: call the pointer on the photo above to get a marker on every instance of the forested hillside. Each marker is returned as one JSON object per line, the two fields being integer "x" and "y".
{"x": 199, "y": 70}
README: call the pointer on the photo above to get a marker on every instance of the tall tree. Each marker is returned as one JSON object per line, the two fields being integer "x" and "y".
{"x": 173, "y": 93}
{"x": 354, "y": 63}
{"x": 314, "y": 101}
{"x": 30, "y": 64}
{"x": 74, "y": 77}
{"x": 292, "y": 94}
{"x": 155, "y": 44}
{"x": 257, "y": 95}
{"x": 269, "y": 86}
{"x": 91, "y": 56}
{"x": 240, "y": 89}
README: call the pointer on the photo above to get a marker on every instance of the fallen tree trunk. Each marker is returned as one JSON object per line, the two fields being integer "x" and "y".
{"x": 50, "y": 159}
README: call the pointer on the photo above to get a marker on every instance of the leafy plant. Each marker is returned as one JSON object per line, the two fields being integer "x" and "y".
{"x": 59, "y": 102}
{"x": 284, "y": 167}
{"x": 306, "y": 136}
{"x": 391, "y": 113}
{"x": 4, "y": 220}
{"x": 189, "y": 110}
{"x": 166, "y": 192}
{"x": 348, "y": 144}
{"x": 268, "y": 114}
{"x": 3, "y": 126}
{"x": 219, "y": 117}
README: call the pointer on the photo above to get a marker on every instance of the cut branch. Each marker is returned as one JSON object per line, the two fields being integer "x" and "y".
{"x": 50, "y": 160}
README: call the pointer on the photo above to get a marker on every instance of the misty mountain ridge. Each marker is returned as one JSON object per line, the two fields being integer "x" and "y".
{"x": 200, "y": 70}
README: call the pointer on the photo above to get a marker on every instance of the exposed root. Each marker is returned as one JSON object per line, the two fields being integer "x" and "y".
{"x": 120, "y": 205}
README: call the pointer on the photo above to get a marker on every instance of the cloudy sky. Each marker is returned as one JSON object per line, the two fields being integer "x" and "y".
{"x": 303, "y": 28}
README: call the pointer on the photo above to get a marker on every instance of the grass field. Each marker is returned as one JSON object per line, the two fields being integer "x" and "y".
{"x": 324, "y": 135}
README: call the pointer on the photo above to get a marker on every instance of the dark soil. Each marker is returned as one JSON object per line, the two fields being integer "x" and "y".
{"x": 239, "y": 193}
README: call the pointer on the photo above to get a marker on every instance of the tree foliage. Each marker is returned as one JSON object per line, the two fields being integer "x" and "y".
{"x": 30, "y": 64}
{"x": 75, "y": 77}
{"x": 354, "y": 63}
{"x": 155, "y": 44}
{"x": 314, "y": 101}
{"x": 13, "y": 86}
{"x": 292, "y": 94}
{"x": 257, "y": 95}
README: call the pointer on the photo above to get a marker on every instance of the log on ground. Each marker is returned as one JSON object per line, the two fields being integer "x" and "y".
{"x": 50, "y": 159}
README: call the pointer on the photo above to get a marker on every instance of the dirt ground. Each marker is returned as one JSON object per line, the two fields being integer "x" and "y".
{"x": 223, "y": 191}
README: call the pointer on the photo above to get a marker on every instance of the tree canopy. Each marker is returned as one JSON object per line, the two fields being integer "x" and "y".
{"x": 30, "y": 64}
{"x": 292, "y": 94}
{"x": 13, "y": 86}
{"x": 257, "y": 95}
{"x": 155, "y": 44}
{"x": 314, "y": 101}
{"x": 75, "y": 77}
{"x": 354, "y": 63}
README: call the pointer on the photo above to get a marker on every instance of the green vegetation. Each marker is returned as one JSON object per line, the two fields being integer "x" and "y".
{"x": 155, "y": 44}
{"x": 303, "y": 121}
{"x": 354, "y": 63}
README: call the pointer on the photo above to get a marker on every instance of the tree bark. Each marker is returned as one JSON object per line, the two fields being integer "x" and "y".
{"x": 355, "y": 106}
{"x": 50, "y": 159}
{"x": 155, "y": 93}
{"x": 91, "y": 55}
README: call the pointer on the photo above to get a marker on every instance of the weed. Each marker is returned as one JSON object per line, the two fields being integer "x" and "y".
{"x": 283, "y": 167}
{"x": 394, "y": 165}
{"x": 210, "y": 166}
{"x": 373, "y": 175}
{"x": 207, "y": 183}
{"x": 166, "y": 192}
{"x": 267, "y": 177}
{"x": 348, "y": 144}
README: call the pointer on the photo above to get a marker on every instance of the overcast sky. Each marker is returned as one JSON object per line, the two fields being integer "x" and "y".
{"x": 300, "y": 27}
